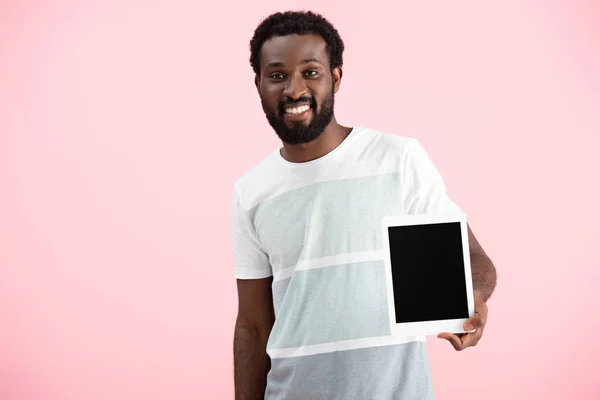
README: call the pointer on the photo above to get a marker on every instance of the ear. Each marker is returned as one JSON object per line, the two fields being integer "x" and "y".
{"x": 337, "y": 78}
{"x": 257, "y": 82}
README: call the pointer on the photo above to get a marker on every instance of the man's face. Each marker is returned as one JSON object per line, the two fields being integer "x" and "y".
{"x": 296, "y": 86}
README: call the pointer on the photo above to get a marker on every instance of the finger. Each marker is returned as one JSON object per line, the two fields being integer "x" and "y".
{"x": 470, "y": 340}
{"x": 453, "y": 339}
{"x": 473, "y": 323}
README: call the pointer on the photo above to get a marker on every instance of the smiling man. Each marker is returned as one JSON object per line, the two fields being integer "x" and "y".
{"x": 312, "y": 320}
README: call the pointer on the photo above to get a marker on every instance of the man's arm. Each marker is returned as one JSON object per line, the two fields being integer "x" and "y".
{"x": 253, "y": 325}
{"x": 483, "y": 271}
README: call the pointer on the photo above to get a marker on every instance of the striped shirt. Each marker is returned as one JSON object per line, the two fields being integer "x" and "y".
{"x": 315, "y": 227}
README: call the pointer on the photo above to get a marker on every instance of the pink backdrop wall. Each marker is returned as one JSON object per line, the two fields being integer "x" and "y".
{"x": 123, "y": 126}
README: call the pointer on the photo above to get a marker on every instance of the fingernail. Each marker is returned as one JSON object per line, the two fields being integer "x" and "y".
{"x": 468, "y": 326}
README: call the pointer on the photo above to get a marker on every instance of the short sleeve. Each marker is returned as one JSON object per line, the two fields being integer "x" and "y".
{"x": 250, "y": 260}
{"x": 426, "y": 191}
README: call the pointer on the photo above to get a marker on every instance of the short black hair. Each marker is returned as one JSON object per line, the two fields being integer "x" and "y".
{"x": 299, "y": 23}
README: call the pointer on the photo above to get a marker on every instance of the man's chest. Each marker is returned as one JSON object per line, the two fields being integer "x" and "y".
{"x": 326, "y": 219}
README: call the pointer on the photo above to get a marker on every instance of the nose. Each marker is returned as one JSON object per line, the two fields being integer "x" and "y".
{"x": 295, "y": 87}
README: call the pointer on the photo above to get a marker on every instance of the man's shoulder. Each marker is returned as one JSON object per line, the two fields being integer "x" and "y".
{"x": 385, "y": 142}
{"x": 257, "y": 180}
{"x": 257, "y": 173}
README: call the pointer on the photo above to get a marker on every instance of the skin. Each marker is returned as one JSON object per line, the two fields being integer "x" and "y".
{"x": 293, "y": 67}
{"x": 296, "y": 67}
{"x": 252, "y": 328}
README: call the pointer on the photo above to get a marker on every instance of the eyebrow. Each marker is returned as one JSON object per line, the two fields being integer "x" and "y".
{"x": 277, "y": 64}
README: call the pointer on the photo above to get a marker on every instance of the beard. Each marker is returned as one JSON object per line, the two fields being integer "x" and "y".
{"x": 300, "y": 133}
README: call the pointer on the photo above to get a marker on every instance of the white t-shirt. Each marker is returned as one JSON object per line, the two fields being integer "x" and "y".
{"x": 316, "y": 228}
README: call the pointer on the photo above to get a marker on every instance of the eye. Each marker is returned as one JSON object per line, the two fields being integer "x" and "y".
{"x": 311, "y": 73}
{"x": 276, "y": 76}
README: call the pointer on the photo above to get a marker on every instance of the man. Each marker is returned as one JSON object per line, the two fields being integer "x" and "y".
{"x": 312, "y": 321}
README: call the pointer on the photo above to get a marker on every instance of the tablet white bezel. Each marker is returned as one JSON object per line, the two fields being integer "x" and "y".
{"x": 425, "y": 328}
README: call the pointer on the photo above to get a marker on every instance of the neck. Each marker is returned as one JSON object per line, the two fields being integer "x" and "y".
{"x": 331, "y": 138}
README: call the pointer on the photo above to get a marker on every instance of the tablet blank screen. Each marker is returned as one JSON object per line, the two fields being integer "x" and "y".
{"x": 428, "y": 272}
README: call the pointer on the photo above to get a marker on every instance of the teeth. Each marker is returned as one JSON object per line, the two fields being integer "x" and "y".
{"x": 297, "y": 110}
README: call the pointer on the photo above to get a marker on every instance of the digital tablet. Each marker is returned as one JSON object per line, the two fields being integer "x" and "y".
{"x": 428, "y": 273}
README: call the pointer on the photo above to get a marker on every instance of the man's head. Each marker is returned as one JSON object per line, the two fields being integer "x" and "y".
{"x": 297, "y": 60}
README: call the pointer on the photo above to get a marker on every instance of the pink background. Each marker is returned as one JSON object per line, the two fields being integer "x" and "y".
{"x": 124, "y": 124}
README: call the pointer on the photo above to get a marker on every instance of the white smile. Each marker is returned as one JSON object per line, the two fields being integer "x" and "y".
{"x": 297, "y": 110}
